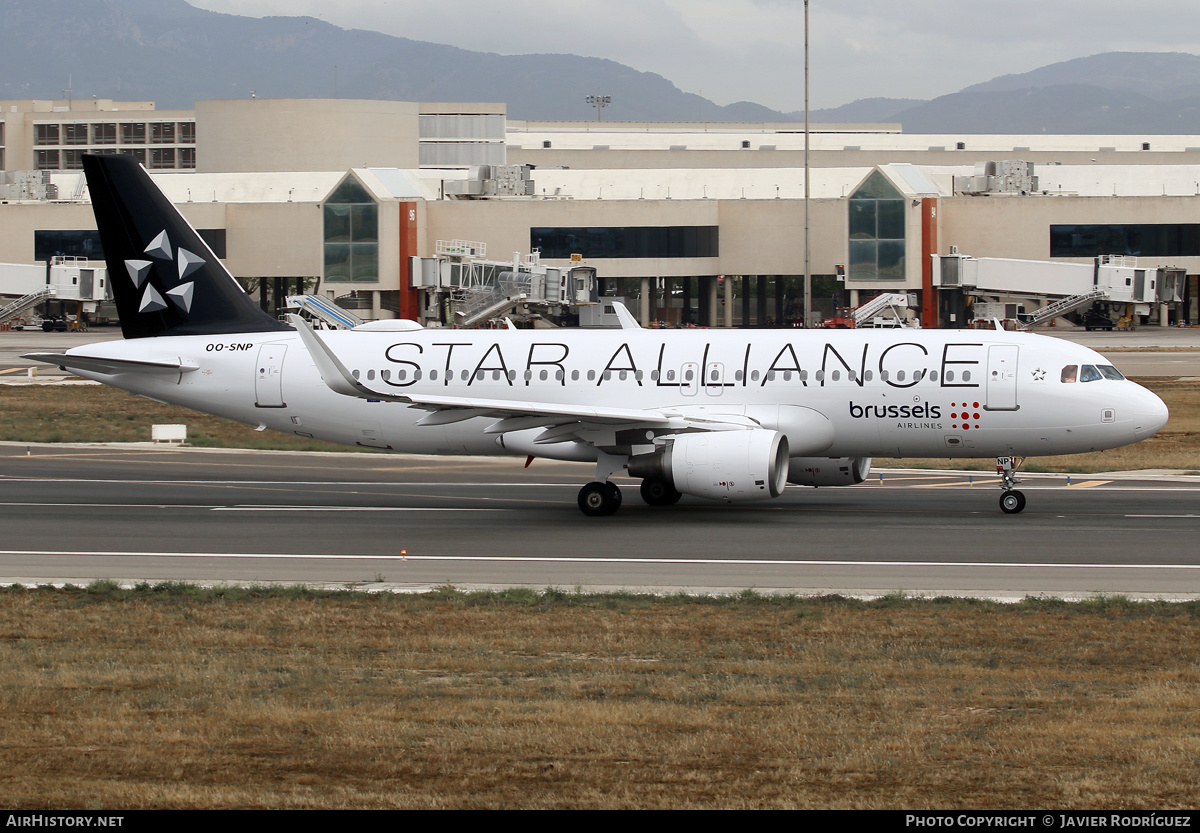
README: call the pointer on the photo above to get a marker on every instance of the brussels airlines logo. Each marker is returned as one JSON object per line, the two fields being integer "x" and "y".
{"x": 965, "y": 415}
{"x": 186, "y": 264}
{"x": 922, "y": 411}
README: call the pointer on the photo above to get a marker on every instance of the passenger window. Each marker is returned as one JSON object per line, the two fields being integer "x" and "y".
{"x": 1109, "y": 372}
{"x": 1069, "y": 373}
{"x": 1089, "y": 374}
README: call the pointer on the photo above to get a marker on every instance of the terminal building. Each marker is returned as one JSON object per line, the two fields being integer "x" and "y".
{"x": 691, "y": 223}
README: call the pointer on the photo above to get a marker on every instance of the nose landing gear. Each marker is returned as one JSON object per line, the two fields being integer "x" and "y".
{"x": 1011, "y": 500}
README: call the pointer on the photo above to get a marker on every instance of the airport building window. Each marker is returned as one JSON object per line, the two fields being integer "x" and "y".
{"x": 137, "y": 153}
{"x": 1141, "y": 239}
{"x": 627, "y": 241}
{"x": 75, "y": 134}
{"x": 161, "y": 158}
{"x": 187, "y": 157}
{"x": 187, "y": 133}
{"x": 48, "y": 243}
{"x": 45, "y": 134}
{"x": 104, "y": 133}
{"x": 877, "y": 246}
{"x": 133, "y": 133}
{"x": 47, "y": 160}
{"x": 351, "y": 235}
{"x": 72, "y": 160}
{"x": 162, "y": 133}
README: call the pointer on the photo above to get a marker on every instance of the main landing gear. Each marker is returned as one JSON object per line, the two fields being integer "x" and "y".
{"x": 659, "y": 493}
{"x": 1011, "y": 500}
{"x": 596, "y": 499}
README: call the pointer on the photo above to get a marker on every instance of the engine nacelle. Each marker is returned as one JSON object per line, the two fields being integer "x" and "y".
{"x": 828, "y": 471}
{"x": 723, "y": 465}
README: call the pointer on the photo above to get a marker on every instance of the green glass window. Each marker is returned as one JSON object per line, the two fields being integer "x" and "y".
{"x": 351, "y": 235}
{"x": 877, "y": 246}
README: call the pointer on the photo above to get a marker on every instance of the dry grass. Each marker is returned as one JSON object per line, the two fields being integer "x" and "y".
{"x": 122, "y": 699}
{"x": 98, "y": 414}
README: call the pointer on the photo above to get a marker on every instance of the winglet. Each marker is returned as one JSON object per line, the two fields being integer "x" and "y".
{"x": 628, "y": 322}
{"x": 332, "y": 371}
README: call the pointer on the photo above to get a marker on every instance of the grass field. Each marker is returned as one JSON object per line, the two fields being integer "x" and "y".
{"x": 176, "y": 697}
{"x": 92, "y": 413}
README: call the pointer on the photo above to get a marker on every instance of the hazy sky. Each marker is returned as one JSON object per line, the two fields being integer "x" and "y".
{"x": 752, "y": 50}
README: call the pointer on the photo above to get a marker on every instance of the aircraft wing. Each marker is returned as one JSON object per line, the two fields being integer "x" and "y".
{"x": 513, "y": 415}
{"x": 111, "y": 367}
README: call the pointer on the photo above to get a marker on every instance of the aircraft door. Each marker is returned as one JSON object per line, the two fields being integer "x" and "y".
{"x": 714, "y": 378}
{"x": 689, "y": 378}
{"x": 1002, "y": 378}
{"x": 268, "y": 378}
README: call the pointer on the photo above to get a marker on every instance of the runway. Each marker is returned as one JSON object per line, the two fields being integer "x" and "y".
{"x": 78, "y": 513}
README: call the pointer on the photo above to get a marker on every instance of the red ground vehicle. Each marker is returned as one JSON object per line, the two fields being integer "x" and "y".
{"x": 843, "y": 319}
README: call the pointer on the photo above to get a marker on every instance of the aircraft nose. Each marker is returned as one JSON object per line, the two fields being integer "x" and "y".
{"x": 1150, "y": 415}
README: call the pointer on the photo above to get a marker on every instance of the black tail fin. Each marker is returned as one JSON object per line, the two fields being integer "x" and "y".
{"x": 164, "y": 278}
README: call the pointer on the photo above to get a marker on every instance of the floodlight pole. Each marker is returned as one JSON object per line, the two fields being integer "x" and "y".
{"x": 599, "y": 102}
{"x": 807, "y": 272}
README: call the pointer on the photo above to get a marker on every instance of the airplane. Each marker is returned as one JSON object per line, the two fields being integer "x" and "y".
{"x": 729, "y": 415}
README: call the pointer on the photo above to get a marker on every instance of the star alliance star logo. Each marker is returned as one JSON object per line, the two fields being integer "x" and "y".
{"x": 180, "y": 295}
{"x": 1039, "y": 375}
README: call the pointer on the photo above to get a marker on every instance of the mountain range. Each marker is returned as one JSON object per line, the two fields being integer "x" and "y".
{"x": 172, "y": 53}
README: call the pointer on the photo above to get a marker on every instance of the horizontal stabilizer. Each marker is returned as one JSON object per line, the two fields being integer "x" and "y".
{"x": 111, "y": 367}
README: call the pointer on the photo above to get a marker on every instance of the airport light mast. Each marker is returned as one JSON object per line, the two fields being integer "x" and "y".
{"x": 807, "y": 269}
{"x": 599, "y": 102}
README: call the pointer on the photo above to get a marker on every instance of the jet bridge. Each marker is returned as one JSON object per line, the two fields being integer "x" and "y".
{"x": 1060, "y": 287}
{"x": 462, "y": 289}
{"x": 64, "y": 280}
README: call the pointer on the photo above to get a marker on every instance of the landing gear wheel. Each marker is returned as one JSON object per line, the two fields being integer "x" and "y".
{"x": 657, "y": 493}
{"x": 597, "y": 499}
{"x": 614, "y": 494}
{"x": 1012, "y": 502}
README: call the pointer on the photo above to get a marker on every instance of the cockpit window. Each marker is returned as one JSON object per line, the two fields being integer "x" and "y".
{"x": 1109, "y": 372}
{"x": 1089, "y": 374}
{"x": 1069, "y": 372}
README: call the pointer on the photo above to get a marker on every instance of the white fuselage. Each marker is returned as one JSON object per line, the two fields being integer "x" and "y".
{"x": 885, "y": 393}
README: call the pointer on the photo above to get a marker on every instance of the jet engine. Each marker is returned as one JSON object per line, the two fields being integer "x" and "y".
{"x": 828, "y": 471}
{"x": 723, "y": 465}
